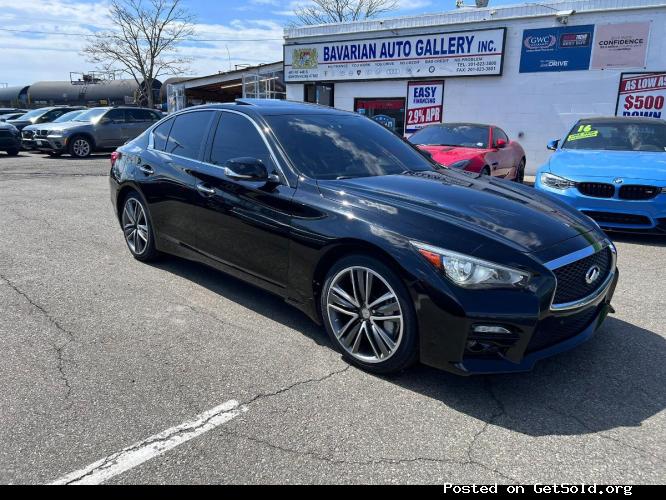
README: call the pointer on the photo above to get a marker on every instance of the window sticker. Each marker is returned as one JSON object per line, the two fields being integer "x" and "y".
{"x": 584, "y": 132}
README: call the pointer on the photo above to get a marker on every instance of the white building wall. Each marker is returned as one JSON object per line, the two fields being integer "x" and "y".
{"x": 533, "y": 108}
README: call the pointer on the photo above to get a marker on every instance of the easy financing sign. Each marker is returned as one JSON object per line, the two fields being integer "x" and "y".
{"x": 425, "y": 105}
{"x": 467, "y": 53}
{"x": 642, "y": 94}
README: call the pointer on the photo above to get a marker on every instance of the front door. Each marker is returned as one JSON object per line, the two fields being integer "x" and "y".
{"x": 243, "y": 224}
{"x": 110, "y": 130}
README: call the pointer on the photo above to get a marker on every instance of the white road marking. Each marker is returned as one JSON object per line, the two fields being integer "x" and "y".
{"x": 138, "y": 453}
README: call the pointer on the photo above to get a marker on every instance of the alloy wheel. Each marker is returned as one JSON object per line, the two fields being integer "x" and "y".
{"x": 135, "y": 226}
{"x": 365, "y": 314}
{"x": 81, "y": 148}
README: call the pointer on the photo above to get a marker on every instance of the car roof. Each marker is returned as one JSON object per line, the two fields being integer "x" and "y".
{"x": 462, "y": 124}
{"x": 273, "y": 107}
{"x": 621, "y": 119}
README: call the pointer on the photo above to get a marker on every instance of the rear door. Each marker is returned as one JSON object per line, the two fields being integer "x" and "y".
{"x": 244, "y": 224}
{"x": 166, "y": 179}
{"x": 138, "y": 121}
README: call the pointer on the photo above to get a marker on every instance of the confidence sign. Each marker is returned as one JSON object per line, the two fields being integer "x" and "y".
{"x": 642, "y": 94}
{"x": 425, "y": 105}
{"x": 467, "y": 53}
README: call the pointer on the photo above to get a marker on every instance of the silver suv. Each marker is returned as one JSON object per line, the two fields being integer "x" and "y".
{"x": 98, "y": 129}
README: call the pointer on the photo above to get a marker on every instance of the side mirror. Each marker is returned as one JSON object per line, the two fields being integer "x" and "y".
{"x": 249, "y": 169}
{"x": 552, "y": 145}
{"x": 500, "y": 144}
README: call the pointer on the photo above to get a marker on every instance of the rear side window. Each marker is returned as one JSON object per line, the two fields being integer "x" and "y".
{"x": 189, "y": 133}
{"x": 237, "y": 137}
{"x": 161, "y": 135}
{"x": 140, "y": 115}
{"x": 117, "y": 115}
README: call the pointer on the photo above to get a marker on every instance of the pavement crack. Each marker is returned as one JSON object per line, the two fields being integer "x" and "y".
{"x": 58, "y": 348}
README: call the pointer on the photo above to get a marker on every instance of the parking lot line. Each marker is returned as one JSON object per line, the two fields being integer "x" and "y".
{"x": 132, "y": 456}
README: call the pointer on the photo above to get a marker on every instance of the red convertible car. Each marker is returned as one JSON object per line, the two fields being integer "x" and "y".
{"x": 484, "y": 149}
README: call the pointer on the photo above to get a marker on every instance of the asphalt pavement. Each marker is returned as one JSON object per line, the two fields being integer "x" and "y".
{"x": 101, "y": 354}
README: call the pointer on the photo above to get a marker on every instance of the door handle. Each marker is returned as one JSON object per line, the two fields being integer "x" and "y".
{"x": 147, "y": 169}
{"x": 205, "y": 190}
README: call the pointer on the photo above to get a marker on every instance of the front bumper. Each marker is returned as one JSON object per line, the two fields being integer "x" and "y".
{"x": 9, "y": 142}
{"x": 535, "y": 328}
{"x": 50, "y": 143}
{"x": 615, "y": 214}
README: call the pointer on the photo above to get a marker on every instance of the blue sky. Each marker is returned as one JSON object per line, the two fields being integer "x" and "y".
{"x": 48, "y": 35}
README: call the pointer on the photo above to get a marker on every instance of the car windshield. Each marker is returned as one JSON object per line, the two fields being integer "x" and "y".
{"x": 67, "y": 117}
{"x": 331, "y": 146}
{"x": 91, "y": 115}
{"x": 460, "y": 134}
{"x": 617, "y": 136}
{"x": 33, "y": 114}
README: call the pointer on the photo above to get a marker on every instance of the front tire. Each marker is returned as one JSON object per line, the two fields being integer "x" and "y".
{"x": 369, "y": 315}
{"x": 13, "y": 152}
{"x": 80, "y": 147}
{"x": 138, "y": 229}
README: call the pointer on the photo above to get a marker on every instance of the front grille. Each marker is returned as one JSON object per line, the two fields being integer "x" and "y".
{"x": 556, "y": 329}
{"x": 571, "y": 279}
{"x": 597, "y": 189}
{"x": 639, "y": 192}
{"x": 615, "y": 218}
{"x": 43, "y": 133}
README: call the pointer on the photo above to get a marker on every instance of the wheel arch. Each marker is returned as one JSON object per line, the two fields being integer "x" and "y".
{"x": 123, "y": 192}
{"x": 85, "y": 135}
{"x": 344, "y": 248}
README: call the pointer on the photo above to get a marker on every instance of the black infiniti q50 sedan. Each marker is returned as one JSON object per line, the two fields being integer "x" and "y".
{"x": 399, "y": 259}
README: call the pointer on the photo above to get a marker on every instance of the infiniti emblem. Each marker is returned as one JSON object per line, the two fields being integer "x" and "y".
{"x": 592, "y": 275}
{"x": 619, "y": 181}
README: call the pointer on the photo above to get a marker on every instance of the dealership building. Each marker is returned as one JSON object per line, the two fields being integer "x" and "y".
{"x": 531, "y": 69}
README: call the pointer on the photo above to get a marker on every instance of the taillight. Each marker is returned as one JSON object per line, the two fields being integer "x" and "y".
{"x": 115, "y": 156}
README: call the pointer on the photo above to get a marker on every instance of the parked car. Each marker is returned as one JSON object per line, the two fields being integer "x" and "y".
{"x": 5, "y": 111}
{"x": 10, "y": 116}
{"x": 613, "y": 170}
{"x": 33, "y": 135}
{"x": 399, "y": 259}
{"x": 10, "y": 139}
{"x": 41, "y": 115}
{"x": 98, "y": 129}
{"x": 484, "y": 149}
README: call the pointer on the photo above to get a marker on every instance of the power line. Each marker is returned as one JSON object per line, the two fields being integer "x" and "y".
{"x": 195, "y": 40}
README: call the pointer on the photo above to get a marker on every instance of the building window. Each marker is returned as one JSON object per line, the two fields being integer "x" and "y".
{"x": 390, "y": 112}
{"x": 320, "y": 93}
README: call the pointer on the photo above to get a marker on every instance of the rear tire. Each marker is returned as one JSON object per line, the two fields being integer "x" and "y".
{"x": 137, "y": 228}
{"x": 80, "y": 147}
{"x": 55, "y": 154}
{"x": 520, "y": 174}
{"x": 375, "y": 330}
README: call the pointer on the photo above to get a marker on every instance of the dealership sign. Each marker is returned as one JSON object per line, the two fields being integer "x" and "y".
{"x": 642, "y": 94}
{"x": 467, "y": 53}
{"x": 556, "y": 49}
{"x": 425, "y": 105}
{"x": 620, "y": 45}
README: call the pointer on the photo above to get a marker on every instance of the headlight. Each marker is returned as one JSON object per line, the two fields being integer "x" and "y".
{"x": 460, "y": 164}
{"x": 470, "y": 272}
{"x": 55, "y": 132}
{"x": 556, "y": 182}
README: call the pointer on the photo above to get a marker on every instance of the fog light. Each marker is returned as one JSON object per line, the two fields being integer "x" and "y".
{"x": 491, "y": 329}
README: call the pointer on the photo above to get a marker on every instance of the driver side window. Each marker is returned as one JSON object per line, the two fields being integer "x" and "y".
{"x": 116, "y": 115}
{"x": 237, "y": 137}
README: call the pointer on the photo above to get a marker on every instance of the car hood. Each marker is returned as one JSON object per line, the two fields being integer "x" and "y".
{"x": 581, "y": 165}
{"x": 448, "y": 155}
{"x": 512, "y": 213}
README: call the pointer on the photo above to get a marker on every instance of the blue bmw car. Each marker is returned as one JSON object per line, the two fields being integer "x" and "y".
{"x": 614, "y": 171}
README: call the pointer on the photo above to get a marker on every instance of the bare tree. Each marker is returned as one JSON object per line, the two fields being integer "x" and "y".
{"x": 143, "y": 42}
{"x": 338, "y": 11}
